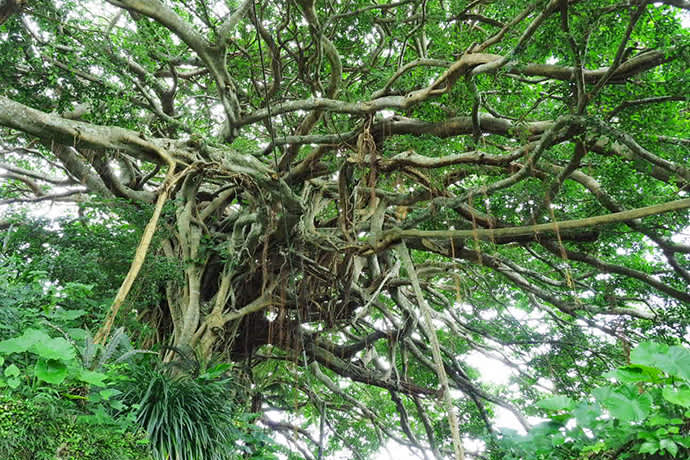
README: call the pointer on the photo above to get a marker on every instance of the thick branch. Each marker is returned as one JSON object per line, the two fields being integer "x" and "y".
{"x": 388, "y": 237}
{"x": 51, "y": 127}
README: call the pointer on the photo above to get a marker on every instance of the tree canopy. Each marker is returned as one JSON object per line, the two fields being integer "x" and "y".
{"x": 354, "y": 200}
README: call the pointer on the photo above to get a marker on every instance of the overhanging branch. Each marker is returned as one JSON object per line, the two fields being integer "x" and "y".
{"x": 388, "y": 237}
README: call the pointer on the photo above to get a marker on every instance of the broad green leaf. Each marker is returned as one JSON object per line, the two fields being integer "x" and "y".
{"x": 556, "y": 403}
{"x": 11, "y": 371}
{"x": 656, "y": 420}
{"x": 57, "y": 348}
{"x": 635, "y": 373}
{"x": 648, "y": 353}
{"x": 92, "y": 378}
{"x": 51, "y": 371}
{"x": 23, "y": 342}
{"x": 683, "y": 441}
{"x": 649, "y": 447}
{"x": 109, "y": 393}
{"x": 673, "y": 360}
{"x": 678, "y": 396}
{"x": 13, "y": 382}
{"x": 625, "y": 407}
{"x": 117, "y": 405}
{"x": 669, "y": 446}
{"x": 40, "y": 343}
{"x": 13, "y": 346}
{"x": 68, "y": 315}
{"x": 586, "y": 414}
{"x": 678, "y": 362}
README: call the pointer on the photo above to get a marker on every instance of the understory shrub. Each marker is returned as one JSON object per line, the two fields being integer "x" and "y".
{"x": 193, "y": 417}
{"x": 45, "y": 428}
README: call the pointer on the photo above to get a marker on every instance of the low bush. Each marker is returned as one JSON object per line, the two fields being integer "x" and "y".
{"x": 46, "y": 428}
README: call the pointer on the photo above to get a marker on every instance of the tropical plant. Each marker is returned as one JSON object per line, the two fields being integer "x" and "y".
{"x": 191, "y": 417}
{"x": 362, "y": 205}
{"x": 644, "y": 414}
{"x": 54, "y": 407}
{"x": 44, "y": 428}
{"x": 58, "y": 401}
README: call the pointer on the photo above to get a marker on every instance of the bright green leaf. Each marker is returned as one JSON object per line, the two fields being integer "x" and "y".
{"x": 656, "y": 420}
{"x": 648, "y": 353}
{"x": 678, "y": 362}
{"x": 92, "y": 378}
{"x": 635, "y": 373}
{"x": 11, "y": 371}
{"x": 556, "y": 403}
{"x": 625, "y": 407}
{"x": 586, "y": 414}
{"x": 672, "y": 360}
{"x": 678, "y": 396}
{"x": 40, "y": 343}
{"x": 51, "y": 371}
{"x": 58, "y": 348}
{"x": 109, "y": 393}
{"x": 68, "y": 315}
{"x": 649, "y": 447}
{"x": 23, "y": 342}
{"x": 669, "y": 446}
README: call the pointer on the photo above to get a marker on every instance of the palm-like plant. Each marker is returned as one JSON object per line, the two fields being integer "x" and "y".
{"x": 186, "y": 417}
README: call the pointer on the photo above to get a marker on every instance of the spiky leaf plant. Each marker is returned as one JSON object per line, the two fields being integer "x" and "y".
{"x": 186, "y": 417}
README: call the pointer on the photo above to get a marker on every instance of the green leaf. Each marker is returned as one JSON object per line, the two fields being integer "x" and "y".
{"x": 58, "y": 348}
{"x": 682, "y": 440}
{"x": 678, "y": 362}
{"x": 669, "y": 446}
{"x": 678, "y": 396}
{"x": 109, "y": 393}
{"x": 67, "y": 315}
{"x": 92, "y": 378}
{"x": 23, "y": 342}
{"x": 635, "y": 373}
{"x": 556, "y": 403}
{"x": 660, "y": 432}
{"x": 11, "y": 371}
{"x": 674, "y": 360}
{"x": 626, "y": 406}
{"x": 586, "y": 414}
{"x": 40, "y": 343}
{"x": 649, "y": 447}
{"x": 648, "y": 353}
{"x": 51, "y": 371}
{"x": 656, "y": 420}
{"x": 13, "y": 382}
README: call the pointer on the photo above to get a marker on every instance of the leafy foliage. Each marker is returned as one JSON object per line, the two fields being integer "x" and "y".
{"x": 193, "y": 418}
{"x": 645, "y": 412}
{"x": 42, "y": 428}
